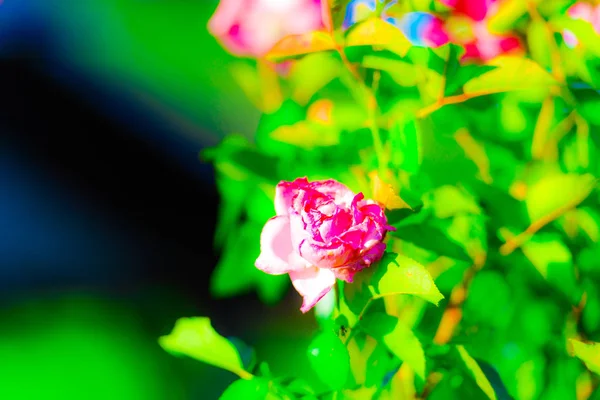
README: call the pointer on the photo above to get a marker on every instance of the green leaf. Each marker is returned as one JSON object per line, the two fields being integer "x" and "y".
{"x": 420, "y": 230}
{"x": 403, "y": 73}
{"x": 588, "y": 353}
{"x": 295, "y": 46}
{"x": 329, "y": 359}
{"x": 253, "y": 389}
{"x": 377, "y": 32}
{"x": 512, "y": 74}
{"x": 489, "y": 299}
{"x": 405, "y": 139}
{"x": 456, "y": 73}
{"x": 398, "y": 338}
{"x": 397, "y": 274}
{"x": 196, "y": 338}
{"x": 505, "y": 17}
{"x": 554, "y": 192}
{"x": 588, "y": 105}
{"x": 583, "y": 31}
{"x": 554, "y": 261}
{"x": 474, "y": 370}
{"x": 303, "y": 77}
{"x": 379, "y": 364}
{"x": 448, "y": 201}
{"x": 456, "y": 80}
{"x": 306, "y": 135}
{"x": 537, "y": 39}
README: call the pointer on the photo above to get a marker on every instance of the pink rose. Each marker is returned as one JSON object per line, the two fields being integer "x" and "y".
{"x": 252, "y": 27}
{"x": 322, "y": 231}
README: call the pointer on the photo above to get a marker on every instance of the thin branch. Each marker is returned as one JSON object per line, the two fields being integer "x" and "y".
{"x": 516, "y": 241}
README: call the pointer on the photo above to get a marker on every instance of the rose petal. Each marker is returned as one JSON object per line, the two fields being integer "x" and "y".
{"x": 340, "y": 192}
{"x": 276, "y": 252}
{"x": 312, "y": 284}
{"x": 330, "y": 255}
{"x": 374, "y": 254}
{"x": 285, "y": 192}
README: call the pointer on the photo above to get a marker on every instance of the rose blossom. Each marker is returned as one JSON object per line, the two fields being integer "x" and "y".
{"x": 322, "y": 231}
{"x": 252, "y": 27}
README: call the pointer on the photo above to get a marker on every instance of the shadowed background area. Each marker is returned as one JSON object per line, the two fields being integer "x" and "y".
{"x": 106, "y": 214}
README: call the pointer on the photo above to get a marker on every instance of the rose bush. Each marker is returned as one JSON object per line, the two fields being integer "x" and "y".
{"x": 322, "y": 231}
{"x": 488, "y": 171}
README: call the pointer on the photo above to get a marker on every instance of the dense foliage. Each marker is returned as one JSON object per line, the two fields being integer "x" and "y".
{"x": 487, "y": 168}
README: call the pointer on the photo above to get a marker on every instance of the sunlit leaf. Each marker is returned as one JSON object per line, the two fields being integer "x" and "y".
{"x": 476, "y": 373}
{"x": 376, "y": 32}
{"x": 537, "y": 39}
{"x": 476, "y": 152}
{"x": 306, "y": 135}
{"x": 398, "y": 338}
{"x": 403, "y": 73}
{"x": 512, "y": 74}
{"x": 588, "y": 353}
{"x": 555, "y": 192}
{"x": 196, "y": 338}
{"x": 303, "y": 80}
{"x": 299, "y": 45}
{"x": 397, "y": 274}
{"x": 507, "y": 14}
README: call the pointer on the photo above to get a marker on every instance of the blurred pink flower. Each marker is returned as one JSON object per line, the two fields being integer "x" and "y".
{"x": 252, "y": 27}
{"x": 322, "y": 231}
{"x": 487, "y": 45}
{"x": 586, "y": 12}
{"x": 468, "y": 26}
{"x": 476, "y": 10}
